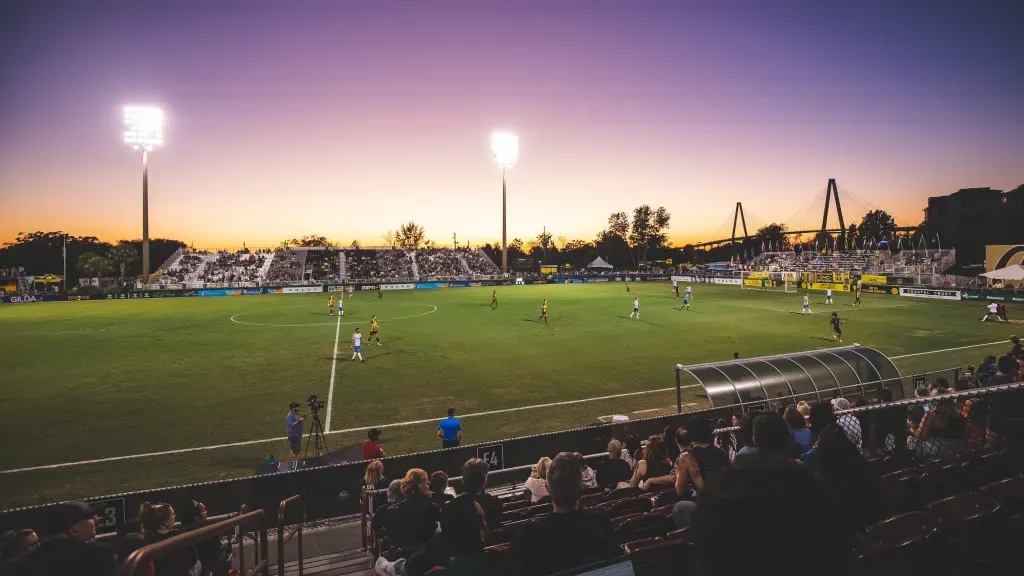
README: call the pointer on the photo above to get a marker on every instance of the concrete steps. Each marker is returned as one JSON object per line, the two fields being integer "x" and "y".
{"x": 350, "y": 562}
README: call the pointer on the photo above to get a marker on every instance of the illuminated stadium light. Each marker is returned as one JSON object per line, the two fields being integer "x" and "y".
{"x": 505, "y": 146}
{"x": 143, "y": 127}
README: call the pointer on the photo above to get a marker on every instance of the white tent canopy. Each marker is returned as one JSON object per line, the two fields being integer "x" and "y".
{"x": 1015, "y": 272}
{"x": 599, "y": 263}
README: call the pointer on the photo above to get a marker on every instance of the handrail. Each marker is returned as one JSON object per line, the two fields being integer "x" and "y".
{"x": 282, "y": 538}
{"x": 138, "y": 562}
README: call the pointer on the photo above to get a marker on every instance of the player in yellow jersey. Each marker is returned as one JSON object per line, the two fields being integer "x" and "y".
{"x": 330, "y": 305}
{"x": 374, "y": 329}
{"x": 544, "y": 312}
{"x": 494, "y": 298}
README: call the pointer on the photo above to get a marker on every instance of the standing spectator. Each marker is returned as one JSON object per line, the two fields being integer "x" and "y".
{"x": 569, "y": 536}
{"x": 157, "y": 525}
{"x": 614, "y": 469}
{"x": 68, "y": 547}
{"x": 450, "y": 430}
{"x": 438, "y": 484}
{"x": 371, "y": 447}
{"x": 537, "y": 484}
{"x": 293, "y": 424}
{"x": 414, "y": 519}
{"x": 17, "y": 544}
{"x": 654, "y": 465}
{"x": 801, "y": 439}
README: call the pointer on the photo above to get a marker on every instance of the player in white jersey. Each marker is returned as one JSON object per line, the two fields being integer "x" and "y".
{"x": 357, "y": 340}
{"x": 351, "y": 290}
{"x": 689, "y": 292}
{"x": 807, "y": 305}
{"x": 341, "y": 305}
{"x": 828, "y": 296}
{"x": 636, "y": 309}
{"x": 992, "y": 310}
{"x": 675, "y": 288}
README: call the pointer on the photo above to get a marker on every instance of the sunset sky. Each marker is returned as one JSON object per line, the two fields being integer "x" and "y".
{"x": 347, "y": 117}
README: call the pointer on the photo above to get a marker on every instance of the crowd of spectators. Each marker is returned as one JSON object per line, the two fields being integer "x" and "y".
{"x": 479, "y": 263}
{"x": 324, "y": 265}
{"x": 241, "y": 266}
{"x": 286, "y": 266}
{"x": 440, "y": 263}
{"x": 391, "y": 263}
{"x": 11, "y": 272}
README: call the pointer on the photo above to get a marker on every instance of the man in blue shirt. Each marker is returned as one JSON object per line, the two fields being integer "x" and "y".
{"x": 450, "y": 430}
{"x": 294, "y": 423}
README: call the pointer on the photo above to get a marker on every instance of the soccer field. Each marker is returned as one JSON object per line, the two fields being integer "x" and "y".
{"x": 87, "y": 381}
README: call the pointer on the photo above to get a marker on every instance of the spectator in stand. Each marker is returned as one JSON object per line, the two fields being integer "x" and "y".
{"x": 450, "y": 430}
{"x": 374, "y": 478}
{"x": 700, "y": 465}
{"x": 771, "y": 436}
{"x": 804, "y": 409}
{"x": 569, "y": 536}
{"x": 673, "y": 449}
{"x": 382, "y": 515}
{"x": 614, "y": 469}
{"x": 746, "y": 435}
{"x": 16, "y": 544}
{"x": 745, "y": 525}
{"x": 852, "y": 482}
{"x": 890, "y": 425}
{"x": 821, "y": 416}
{"x": 536, "y": 486}
{"x": 210, "y": 551}
{"x": 474, "y": 481}
{"x": 413, "y": 520}
{"x": 589, "y": 478}
{"x": 848, "y": 422}
{"x": 68, "y": 547}
{"x": 438, "y": 485}
{"x": 941, "y": 432}
{"x": 1017, "y": 351}
{"x": 371, "y": 446}
{"x": 654, "y": 465}
{"x": 801, "y": 439}
{"x": 158, "y": 525}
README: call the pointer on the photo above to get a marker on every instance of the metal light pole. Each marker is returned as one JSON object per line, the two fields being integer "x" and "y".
{"x": 144, "y": 130}
{"x": 505, "y": 146}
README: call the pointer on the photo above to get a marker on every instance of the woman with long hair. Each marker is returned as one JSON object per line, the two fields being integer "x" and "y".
{"x": 654, "y": 465}
{"x": 157, "y": 521}
{"x": 414, "y": 519}
{"x": 537, "y": 483}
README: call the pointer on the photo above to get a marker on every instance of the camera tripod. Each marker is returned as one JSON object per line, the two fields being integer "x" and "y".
{"x": 316, "y": 435}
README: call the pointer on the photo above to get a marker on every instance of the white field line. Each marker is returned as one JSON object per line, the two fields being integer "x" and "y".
{"x": 947, "y": 350}
{"x": 282, "y": 439}
{"x": 334, "y": 365}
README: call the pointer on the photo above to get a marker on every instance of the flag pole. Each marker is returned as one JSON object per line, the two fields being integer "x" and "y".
{"x": 64, "y": 251}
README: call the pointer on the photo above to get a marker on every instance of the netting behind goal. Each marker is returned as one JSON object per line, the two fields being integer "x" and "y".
{"x": 768, "y": 281}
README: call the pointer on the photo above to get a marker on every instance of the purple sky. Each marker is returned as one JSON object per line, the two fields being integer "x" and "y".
{"x": 346, "y": 118}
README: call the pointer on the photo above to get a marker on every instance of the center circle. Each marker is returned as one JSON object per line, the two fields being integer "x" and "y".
{"x": 239, "y": 318}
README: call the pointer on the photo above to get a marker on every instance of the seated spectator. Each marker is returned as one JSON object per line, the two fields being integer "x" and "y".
{"x": 613, "y": 470}
{"x": 536, "y": 485}
{"x": 801, "y": 439}
{"x": 700, "y": 465}
{"x": 474, "y": 481}
{"x": 17, "y": 544}
{"x": 464, "y": 532}
{"x": 848, "y": 422}
{"x": 381, "y": 516}
{"x": 210, "y": 551}
{"x": 852, "y": 482}
{"x": 438, "y": 484}
{"x": 746, "y": 437}
{"x": 654, "y": 465}
{"x": 941, "y": 432}
{"x": 569, "y": 536}
{"x": 1009, "y": 406}
{"x": 414, "y": 519}
{"x": 804, "y": 409}
{"x": 157, "y": 522}
{"x": 68, "y": 547}
{"x": 746, "y": 524}
{"x": 673, "y": 449}
{"x": 374, "y": 479}
{"x": 589, "y": 478}
{"x": 771, "y": 435}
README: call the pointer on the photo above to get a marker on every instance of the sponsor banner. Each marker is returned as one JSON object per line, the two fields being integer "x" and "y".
{"x": 1002, "y": 255}
{"x": 708, "y": 280}
{"x": 429, "y": 285}
{"x": 990, "y": 296}
{"x": 597, "y": 280}
{"x": 875, "y": 289}
{"x": 275, "y": 290}
{"x": 409, "y": 286}
{"x": 221, "y": 292}
{"x": 826, "y": 286}
{"x": 654, "y": 278}
{"x": 336, "y": 288}
{"x": 368, "y": 287}
{"x": 756, "y": 283}
{"x": 873, "y": 279}
{"x": 78, "y": 298}
{"x": 301, "y": 289}
{"x": 464, "y": 284}
{"x": 930, "y": 293}
{"x": 568, "y": 280}
{"x": 251, "y": 291}
{"x": 26, "y": 299}
{"x": 758, "y": 276}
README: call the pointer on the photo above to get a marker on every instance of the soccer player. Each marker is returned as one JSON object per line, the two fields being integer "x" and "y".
{"x": 627, "y": 286}
{"x": 330, "y": 305}
{"x": 351, "y": 290}
{"x": 636, "y": 309}
{"x": 544, "y": 311}
{"x": 764, "y": 285}
{"x": 374, "y": 329}
{"x": 494, "y": 299}
{"x": 675, "y": 288}
{"x": 828, "y": 297}
{"x": 357, "y": 340}
{"x": 991, "y": 310}
{"x": 856, "y": 296}
{"x": 837, "y": 332}
{"x": 380, "y": 293}
{"x": 689, "y": 292}
{"x": 686, "y": 302}
{"x": 807, "y": 305}
{"x": 341, "y": 305}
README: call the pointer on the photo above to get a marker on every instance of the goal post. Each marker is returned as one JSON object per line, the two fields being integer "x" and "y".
{"x": 768, "y": 281}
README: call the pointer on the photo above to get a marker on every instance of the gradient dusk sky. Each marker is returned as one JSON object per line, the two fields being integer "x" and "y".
{"x": 347, "y": 117}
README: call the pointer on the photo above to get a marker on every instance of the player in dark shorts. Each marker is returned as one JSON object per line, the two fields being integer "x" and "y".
{"x": 856, "y": 296}
{"x": 380, "y": 293}
{"x": 837, "y": 332}
{"x": 494, "y": 299}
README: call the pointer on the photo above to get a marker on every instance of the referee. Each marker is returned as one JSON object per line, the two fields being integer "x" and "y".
{"x": 450, "y": 430}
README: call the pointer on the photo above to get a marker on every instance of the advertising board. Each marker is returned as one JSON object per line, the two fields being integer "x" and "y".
{"x": 408, "y": 286}
{"x": 930, "y": 293}
{"x": 301, "y": 289}
{"x": 875, "y": 289}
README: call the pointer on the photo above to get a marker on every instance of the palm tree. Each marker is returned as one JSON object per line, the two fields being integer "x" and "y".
{"x": 94, "y": 263}
{"x": 122, "y": 253}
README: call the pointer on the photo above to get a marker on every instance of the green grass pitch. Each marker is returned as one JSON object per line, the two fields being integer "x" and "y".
{"x": 95, "y": 380}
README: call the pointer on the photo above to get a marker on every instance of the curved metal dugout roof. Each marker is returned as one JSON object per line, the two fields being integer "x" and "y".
{"x": 812, "y": 375}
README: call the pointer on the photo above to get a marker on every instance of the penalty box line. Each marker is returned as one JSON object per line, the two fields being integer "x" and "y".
{"x": 359, "y": 429}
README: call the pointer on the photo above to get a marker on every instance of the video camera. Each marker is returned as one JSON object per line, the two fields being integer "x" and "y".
{"x": 314, "y": 403}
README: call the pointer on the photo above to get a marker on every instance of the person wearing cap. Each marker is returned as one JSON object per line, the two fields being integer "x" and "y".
{"x": 294, "y": 426}
{"x": 371, "y": 448}
{"x": 848, "y": 422}
{"x": 69, "y": 546}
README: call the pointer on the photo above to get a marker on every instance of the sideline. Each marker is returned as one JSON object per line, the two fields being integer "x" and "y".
{"x": 948, "y": 349}
{"x": 334, "y": 365}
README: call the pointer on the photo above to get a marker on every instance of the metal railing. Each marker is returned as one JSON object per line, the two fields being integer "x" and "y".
{"x": 283, "y": 538}
{"x": 138, "y": 562}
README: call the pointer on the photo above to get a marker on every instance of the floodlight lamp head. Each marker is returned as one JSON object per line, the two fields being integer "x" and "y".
{"x": 143, "y": 127}
{"x": 505, "y": 146}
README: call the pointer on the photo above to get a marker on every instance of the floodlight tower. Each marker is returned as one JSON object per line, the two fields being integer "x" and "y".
{"x": 505, "y": 146}
{"x": 144, "y": 131}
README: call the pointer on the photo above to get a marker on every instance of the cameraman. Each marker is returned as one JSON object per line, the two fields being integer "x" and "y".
{"x": 294, "y": 424}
